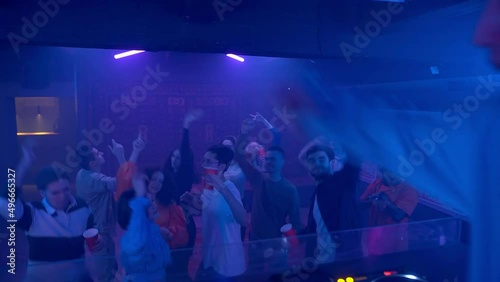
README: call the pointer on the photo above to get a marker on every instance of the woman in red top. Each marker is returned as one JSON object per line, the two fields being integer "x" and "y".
{"x": 393, "y": 201}
{"x": 171, "y": 220}
{"x": 171, "y": 217}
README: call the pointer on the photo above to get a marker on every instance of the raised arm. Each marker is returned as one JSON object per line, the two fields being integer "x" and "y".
{"x": 276, "y": 134}
{"x": 11, "y": 203}
{"x": 252, "y": 174}
{"x": 137, "y": 148}
{"x": 118, "y": 151}
{"x": 187, "y": 158}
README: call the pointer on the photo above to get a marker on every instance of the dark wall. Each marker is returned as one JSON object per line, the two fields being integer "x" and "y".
{"x": 226, "y": 90}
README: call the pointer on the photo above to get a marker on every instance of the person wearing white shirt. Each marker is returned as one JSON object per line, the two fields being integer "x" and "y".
{"x": 222, "y": 216}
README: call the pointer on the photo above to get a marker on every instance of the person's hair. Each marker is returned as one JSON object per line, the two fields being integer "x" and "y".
{"x": 165, "y": 197}
{"x": 124, "y": 212}
{"x": 223, "y": 154}
{"x": 149, "y": 171}
{"x": 321, "y": 148}
{"x": 230, "y": 138}
{"x": 167, "y": 167}
{"x": 48, "y": 175}
{"x": 277, "y": 149}
{"x": 86, "y": 158}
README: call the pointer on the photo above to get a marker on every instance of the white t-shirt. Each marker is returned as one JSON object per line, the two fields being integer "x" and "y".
{"x": 325, "y": 245}
{"x": 222, "y": 246}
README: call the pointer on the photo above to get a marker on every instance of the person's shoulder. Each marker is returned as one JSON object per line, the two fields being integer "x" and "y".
{"x": 79, "y": 202}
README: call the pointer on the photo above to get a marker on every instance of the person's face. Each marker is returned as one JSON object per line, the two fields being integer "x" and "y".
{"x": 98, "y": 158}
{"x": 273, "y": 162}
{"x": 156, "y": 182}
{"x": 153, "y": 211}
{"x": 58, "y": 194}
{"x": 229, "y": 144}
{"x": 176, "y": 159}
{"x": 210, "y": 161}
{"x": 318, "y": 164}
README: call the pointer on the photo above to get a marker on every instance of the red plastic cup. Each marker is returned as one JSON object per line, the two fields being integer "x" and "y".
{"x": 288, "y": 231}
{"x": 209, "y": 171}
{"x": 91, "y": 235}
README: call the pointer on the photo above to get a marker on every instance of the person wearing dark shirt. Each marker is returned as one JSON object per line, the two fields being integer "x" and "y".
{"x": 334, "y": 207}
{"x": 179, "y": 170}
{"x": 179, "y": 167}
{"x": 275, "y": 198}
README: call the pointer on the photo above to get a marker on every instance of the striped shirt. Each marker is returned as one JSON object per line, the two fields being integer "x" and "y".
{"x": 55, "y": 235}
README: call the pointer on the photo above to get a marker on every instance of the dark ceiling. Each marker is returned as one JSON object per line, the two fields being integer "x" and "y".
{"x": 423, "y": 33}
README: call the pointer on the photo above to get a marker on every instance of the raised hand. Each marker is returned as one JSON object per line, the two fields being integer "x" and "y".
{"x": 258, "y": 117}
{"x": 138, "y": 145}
{"x": 28, "y": 157}
{"x": 116, "y": 148}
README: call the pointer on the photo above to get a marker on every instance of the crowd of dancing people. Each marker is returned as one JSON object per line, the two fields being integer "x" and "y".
{"x": 155, "y": 207}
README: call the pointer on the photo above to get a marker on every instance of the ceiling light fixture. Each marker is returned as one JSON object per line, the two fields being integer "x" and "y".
{"x": 128, "y": 53}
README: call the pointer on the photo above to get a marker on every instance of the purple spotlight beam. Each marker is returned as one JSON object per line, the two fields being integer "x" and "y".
{"x": 236, "y": 57}
{"x": 128, "y": 53}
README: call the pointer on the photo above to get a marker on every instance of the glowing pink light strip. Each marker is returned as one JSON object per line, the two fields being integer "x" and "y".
{"x": 128, "y": 53}
{"x": 237, "y": 58}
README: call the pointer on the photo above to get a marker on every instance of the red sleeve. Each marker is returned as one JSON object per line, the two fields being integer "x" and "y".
{"x": 177, "y": 226}
{"x": 370, "y": 190}
{"x": 124, "y": 178}
{"x": 408, "y": 200}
